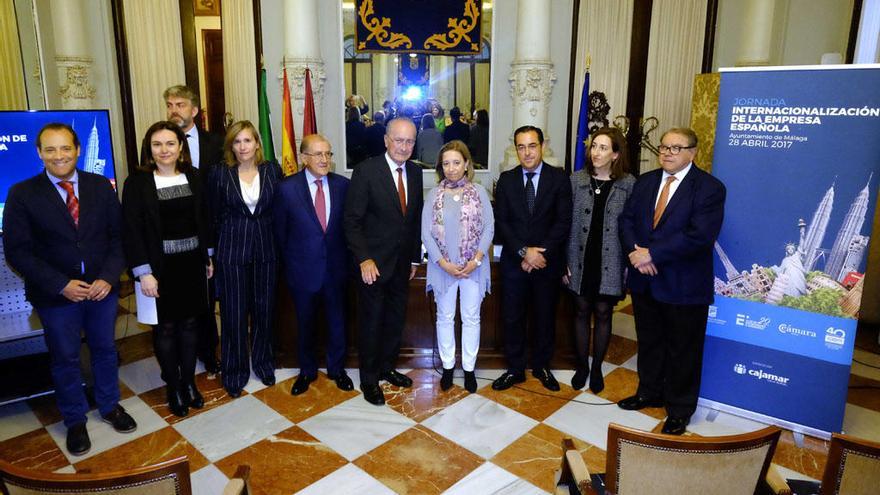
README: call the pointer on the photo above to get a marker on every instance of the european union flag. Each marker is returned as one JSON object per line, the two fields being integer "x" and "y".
{"x": 583, "y": 134}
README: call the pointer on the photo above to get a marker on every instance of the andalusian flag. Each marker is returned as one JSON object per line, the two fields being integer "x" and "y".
{"x": 288, "y": 138}
{"x": 265, "y": 125}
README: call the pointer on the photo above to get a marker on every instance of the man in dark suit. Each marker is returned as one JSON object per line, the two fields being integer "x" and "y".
{"x": 62, "y": 233}
{"x": 308, "y": 227}
{"x": 376, "y": 135}
{"x": 457, "y": 129}
{"x": 668, "y": 227}
{"x": 383, "y": 211}
{"x": 206, "y": 151}
{"x": 532, "y": 219}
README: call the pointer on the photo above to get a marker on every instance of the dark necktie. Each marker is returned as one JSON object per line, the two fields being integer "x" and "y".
{"x": 530, "y": 191}
{"x": 72, "y": 202}
{"x": 321, "y": 205}
{"x": 663, "y": 200}
{"x": 401, "y": 190}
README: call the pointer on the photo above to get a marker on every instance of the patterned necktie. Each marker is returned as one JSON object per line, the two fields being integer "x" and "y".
{"x": 401, "y": 190}
{"x": 530, "y": 191}
{"x": 664, "y": 199}
{"x": 321, "y": 205}
{"x": 72, "y": 202}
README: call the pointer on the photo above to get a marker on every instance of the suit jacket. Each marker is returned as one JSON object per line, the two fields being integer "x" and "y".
{"x": 375, "y": 226}
{"x": 681, "y": 245}
{"x": 243, "y": 237}
{"x": 210, "y": 152}
{"x": 546, "y": 227}
{"x": 143, "y": 227}
{"x": 311, "y": 256}
{"x": 43, "y": 244}
{"x": 613, "y": 261}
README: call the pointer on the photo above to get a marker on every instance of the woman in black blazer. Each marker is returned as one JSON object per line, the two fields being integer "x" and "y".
{"x": 241, "y": 197}
{"x": 167, "y": 241}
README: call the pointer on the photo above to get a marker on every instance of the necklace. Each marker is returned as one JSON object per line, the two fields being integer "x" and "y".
{"x": 598, "y": 185}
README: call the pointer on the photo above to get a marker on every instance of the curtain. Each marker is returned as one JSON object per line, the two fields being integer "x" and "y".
{"x": 155, "y": 54}
{"x": 12, "y": 90}
{"x": 239, "y": 59}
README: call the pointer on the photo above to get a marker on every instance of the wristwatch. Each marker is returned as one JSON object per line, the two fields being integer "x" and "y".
{"x": 522, "y": 252}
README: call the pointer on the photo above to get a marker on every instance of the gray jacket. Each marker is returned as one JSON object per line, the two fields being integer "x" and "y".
{"x": 613, "y": 258}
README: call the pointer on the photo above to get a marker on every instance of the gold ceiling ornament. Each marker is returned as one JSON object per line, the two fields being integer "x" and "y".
{"x": 458, "y": 29}
{"x": 379, "y": 29}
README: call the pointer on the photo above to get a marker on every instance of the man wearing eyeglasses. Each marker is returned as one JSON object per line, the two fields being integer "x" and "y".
{"x": 383, "y": 211}
{"x": 308, "y": 228}
{"x": 668, "y": 227}
{"x": 532, "y": 220}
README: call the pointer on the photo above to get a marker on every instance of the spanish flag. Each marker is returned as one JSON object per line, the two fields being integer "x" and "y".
{"x": 288, "y": 138}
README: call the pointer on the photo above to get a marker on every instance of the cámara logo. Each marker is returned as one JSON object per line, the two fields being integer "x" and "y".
{"x": 786, "y": 328}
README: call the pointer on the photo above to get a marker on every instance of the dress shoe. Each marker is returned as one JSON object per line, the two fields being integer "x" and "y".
{"x": 343, "y": 382}
{"x": 470, "y": 381}
{"x": 211, "y": 365}
{"x": 176, "y": 402}
{"x": 580, "y": 378}
{"x": 636, "y": 402}
{"x": 233, "y": 392}
{"x": 547, "y": 379}
{"x": 78, "y": 442}
{"x": 301, "y": 384}
{"x": 597, "y": 381}
{"x": 120, "y": 420}
{"x": 446, "y": 379}
{"x": 268, "y": 380}
{"x": 396, "y": 378}
{"x": 192, "y": 396}
{"x": 373, "y": 394}
{"x": 675, "y": 426}
{"x": 507, "y": 380}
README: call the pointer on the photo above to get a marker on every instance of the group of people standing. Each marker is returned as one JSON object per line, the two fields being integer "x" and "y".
{"x": 206, "y": 218}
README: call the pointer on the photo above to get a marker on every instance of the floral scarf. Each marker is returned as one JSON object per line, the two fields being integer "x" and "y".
{"x": 471, "y": 220}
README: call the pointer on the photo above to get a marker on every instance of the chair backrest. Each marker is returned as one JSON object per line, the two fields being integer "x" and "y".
{"x": 167, "y": 478}
{"x": 853, "y": 467}
{"x": 639, "y": 462}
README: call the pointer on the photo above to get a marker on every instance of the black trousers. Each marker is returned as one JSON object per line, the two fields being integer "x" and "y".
{"x": 540, "y": 291}
{"x": 670, "y": 339}
{"x": 248, "y": 296}
{"x": 382, "y": 314}
{"x": 208, "y": 338}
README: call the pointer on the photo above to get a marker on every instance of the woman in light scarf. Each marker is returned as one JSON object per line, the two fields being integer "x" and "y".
{"x": 457, "y": 230}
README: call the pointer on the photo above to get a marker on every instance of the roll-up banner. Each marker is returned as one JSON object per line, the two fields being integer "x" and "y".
{"x": 799, "y": 151}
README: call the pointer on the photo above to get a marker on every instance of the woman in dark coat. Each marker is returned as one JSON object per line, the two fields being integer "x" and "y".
{"x": 242, "y": 194}
{"x": 167, "y": 242}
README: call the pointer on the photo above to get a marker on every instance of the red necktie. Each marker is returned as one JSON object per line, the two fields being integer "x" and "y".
{"x": 321, "y": 205}
{"x": 72, "y": 202}
{"x": 401, "y": 190}
{"x": 664, "y": 199}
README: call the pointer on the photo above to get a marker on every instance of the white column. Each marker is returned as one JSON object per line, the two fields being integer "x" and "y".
{"x": 531, "y": 73}
{"x": 302, "y": 51}
{"x": 72, "y": 54}
{"x": 756, "y": 36}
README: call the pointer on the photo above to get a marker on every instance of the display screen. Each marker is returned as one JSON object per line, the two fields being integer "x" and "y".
{"x": 18, "y": 144}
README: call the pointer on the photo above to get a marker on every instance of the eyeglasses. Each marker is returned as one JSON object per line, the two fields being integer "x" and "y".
{"x": 320, "y": 154}
{"x": 402, "y": 141}
{"x": 674, "y": 149}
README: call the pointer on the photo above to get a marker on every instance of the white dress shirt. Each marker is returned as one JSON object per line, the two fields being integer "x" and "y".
{"x": 679, "y": 176}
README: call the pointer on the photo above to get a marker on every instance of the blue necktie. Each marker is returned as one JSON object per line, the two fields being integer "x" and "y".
{"x": 530, "y": 191}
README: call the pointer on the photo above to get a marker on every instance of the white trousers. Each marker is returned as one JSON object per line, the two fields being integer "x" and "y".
{"x": 471, "y": 298}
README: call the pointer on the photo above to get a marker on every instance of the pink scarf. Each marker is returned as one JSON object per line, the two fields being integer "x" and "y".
{"x": 471, "y": 219}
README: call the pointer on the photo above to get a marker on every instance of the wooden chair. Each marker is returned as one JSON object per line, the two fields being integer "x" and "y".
{"x": 574, "y": 476}
{"x": 639, "y": 462}
{"x": 166, "y": 478}
{"x": 853, "y": 467}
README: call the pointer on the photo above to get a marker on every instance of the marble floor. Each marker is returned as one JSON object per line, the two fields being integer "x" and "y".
{"x": 423, "y": 441}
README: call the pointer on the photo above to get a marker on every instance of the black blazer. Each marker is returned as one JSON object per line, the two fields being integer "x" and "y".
{"x": 375, "y": 226}
{"x": 548, "y": 225}
{"x": 143, "y": 227}
{"x": 43, "y": 245}
{"x": 210, "y": 152}
{"x": 243, "y": 237}
{"x": 681, "y": 245}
